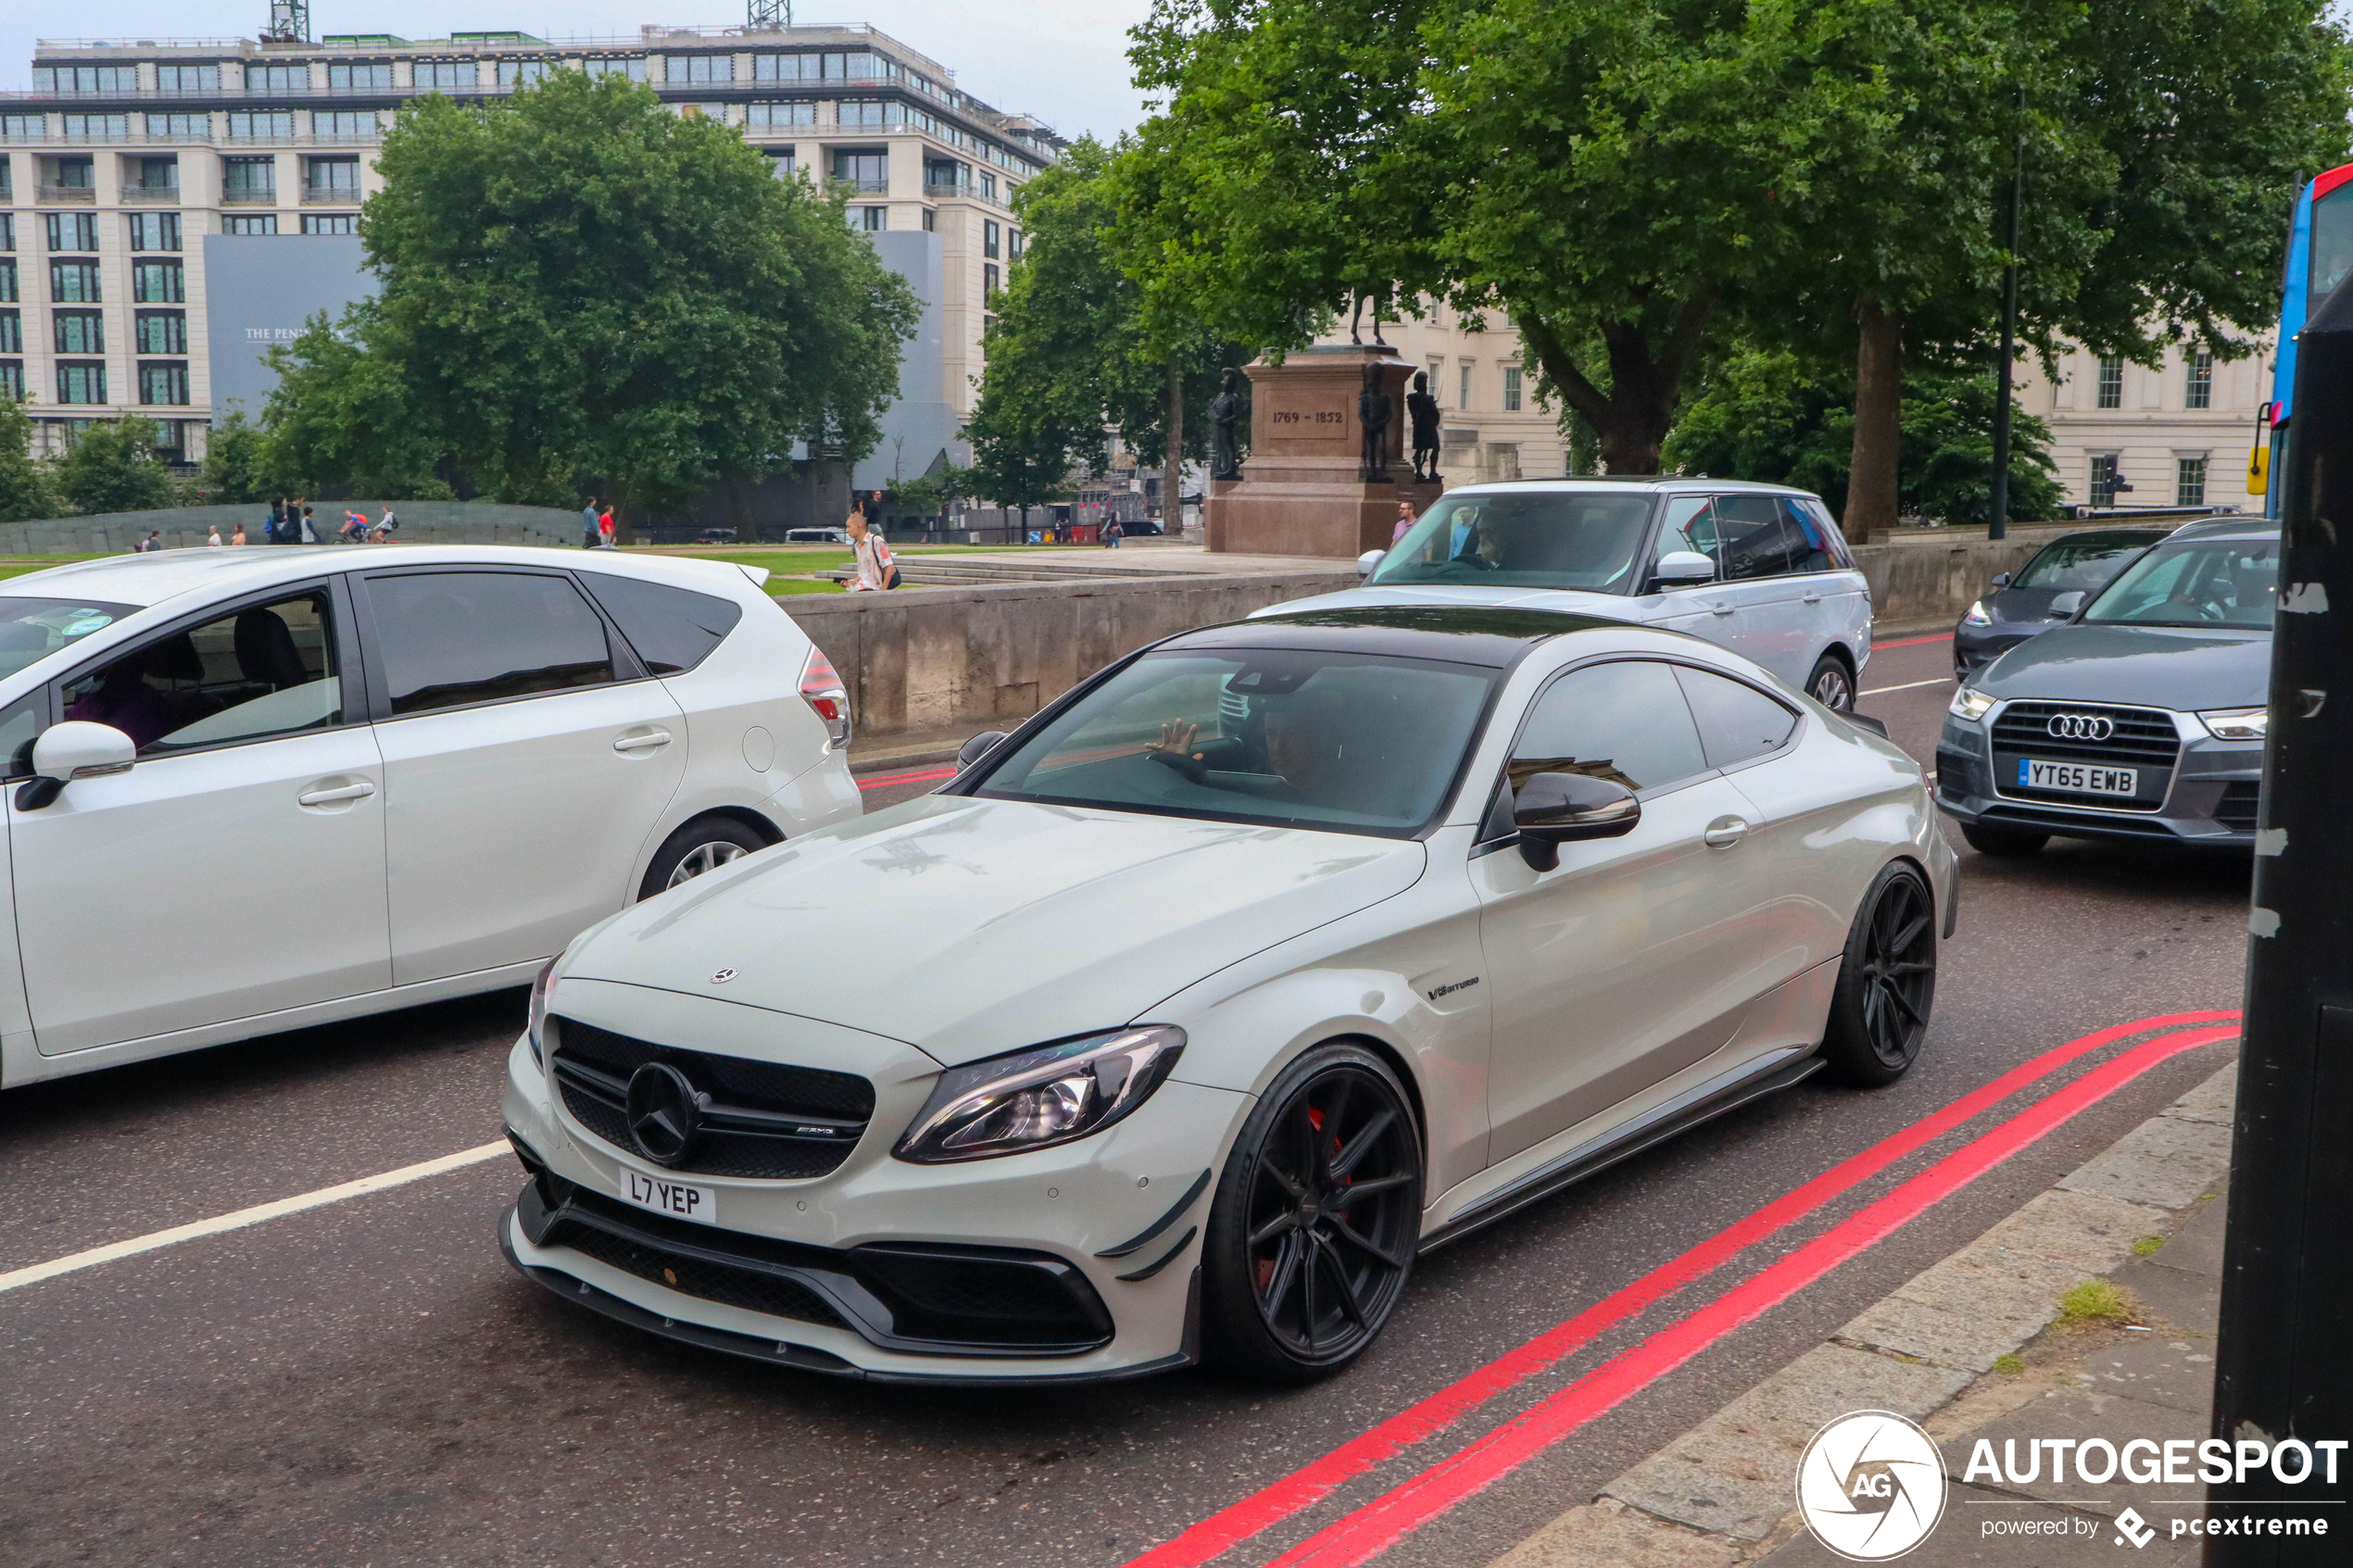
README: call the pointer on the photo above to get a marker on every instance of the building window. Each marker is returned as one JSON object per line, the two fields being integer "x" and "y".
{"x": 1438, "y": 380}
{"x": 1511, "y": 389}
{"x": 161, "y": 331}
{"x": 447, "y": 73}
{"x": 2189, "y": 481}
{"x": 334, "y": 178}
{"x": 989, "y": 243}
{"x": 870, "y": 219}
{"x": 2199, "y": 392}
{"x": 160, "y": 174}
{"x": 85, "y": 78}
{"x": 185, "y": 79}
{"x": 155, "y": 230}
{"x": 73, "y": 230}
{"x": 12, "y": 379}
{"x": 780, "y": 161}
{"x": 864, "y": 174}
{"x": 2103, "y": 479}
{"x": 82, "y": 381}
{"x": 97, "y": 127}
{"x": 77, "y": 331}
{"x": 8, "y": 277}
{"x": 24, "y": 127}
{"x": 74, "y": 174}
{"x": 248, "y": 177}
{"x": 987, "y": 280}
{"x": 931, "y": 220}
{"x": 194, "y": 125}
{"x": 522, "y": 73}
{"x": 260, "y": 79}
{"x": 330, "y": 223}
{"x": 762, "y": 116}
{"x": 158, "y": 283}
{"x": 600, "y": 64}
{"x": 7, "y": 230}
{"x": 11, "y": 332}
{"x": 852, "y": 112}
{"x": 260, "y": 125}
{"x": 249, "y": 223}
{"x": 342, "y": 78}
{"x": 163, "y": 381}
{"x": 356, "y": 124}
{"x": 73, "y": 283}
{"x": 1461, "y": 385}
{"x": 1013, "y": 245}
{"x": 699, "y": 68}
{"x": 2111, "y": 385}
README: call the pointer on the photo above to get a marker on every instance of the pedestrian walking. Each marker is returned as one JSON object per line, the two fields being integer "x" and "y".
{"x": 1112, "y": 534}
{"x": 385, "y": 527}
{"x": 239, "y": 536}
{"x": 310, "y": 528}
{"x": 591, "y": 536}
{"x": 1406, "y": 518}
{"x": 275, "y": 521}
{"x": 876, "y": 567}
{"x": 604, "y": 528}
{"x": 212, "y": 540}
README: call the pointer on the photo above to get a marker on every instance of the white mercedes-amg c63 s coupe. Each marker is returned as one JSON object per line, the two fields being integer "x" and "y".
{"x": 1189, "y": 1014}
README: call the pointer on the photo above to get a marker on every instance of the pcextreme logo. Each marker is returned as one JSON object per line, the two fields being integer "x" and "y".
{"x": 1871, "y": 1486}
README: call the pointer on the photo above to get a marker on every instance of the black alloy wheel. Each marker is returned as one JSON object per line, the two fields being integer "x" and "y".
{"x": 1887, "y": 984}
{"x": 1831, "y": 684}
{"x": 1315, "y": 1221}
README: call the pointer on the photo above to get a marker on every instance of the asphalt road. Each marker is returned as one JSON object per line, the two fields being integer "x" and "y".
{"x": 366, "y": 1381}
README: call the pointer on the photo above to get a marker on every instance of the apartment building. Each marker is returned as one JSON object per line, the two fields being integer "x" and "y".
{"x": 2127, "y": 435}
{"x": 1491, "y": 427}
{"x": 132, "y": 168}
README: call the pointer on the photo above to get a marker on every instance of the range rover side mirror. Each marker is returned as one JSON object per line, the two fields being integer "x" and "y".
{"x": 1681, "y": 569}
{"x": 1552, "y": 810}
{"x": 978, "y": 746}
{"x": 2064, "y": 606}
{"x": 74, "y": 750}
{"x": 2001, "y": 580}
{"x": 1368, "y": 560}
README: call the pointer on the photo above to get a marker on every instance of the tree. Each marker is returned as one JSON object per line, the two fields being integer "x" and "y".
{"x": 931, "y": 493}
{"x": 234, "y": 456}
{"x": 27, "y": 492}
{"x": 343, "y": 417}
{"x": 112, "y": 468}
{"x": 579, "y": 285}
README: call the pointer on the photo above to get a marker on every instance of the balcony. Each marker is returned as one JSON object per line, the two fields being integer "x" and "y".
{"x": 248, "y": 198}
{"x": 948, "y": 190}
{"x": 151, "y": 196}
{"x": 330, "y": 196}
{"x": 862, "y": 187}
{"x": 84, "y": 194}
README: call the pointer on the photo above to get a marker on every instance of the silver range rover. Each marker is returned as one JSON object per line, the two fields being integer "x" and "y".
{"x": 2143, "y": 718}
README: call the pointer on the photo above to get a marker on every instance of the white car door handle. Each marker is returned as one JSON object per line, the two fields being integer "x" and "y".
{"x": 648, "y": 740}
{"x": 1724, "y": 831}
{"x": 360, "y": 791}
{"x": 1812, "y": 598}
{"x": 1721, "y": 609}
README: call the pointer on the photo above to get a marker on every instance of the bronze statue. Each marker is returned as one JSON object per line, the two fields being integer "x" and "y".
{"x": 1225, "y": 413}
{"x": 1372, "y": 416}
{"x": 1422, "y": 409}
{"x": 1356, "y": 318}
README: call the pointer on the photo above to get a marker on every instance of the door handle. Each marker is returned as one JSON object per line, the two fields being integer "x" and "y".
{"x": 1812, "y": 598}
{"x": 652, "y": 740}
{"x": 360, "y": 791}
{"x": 1721, "y": 609}
{"x": 1724, "y": 831}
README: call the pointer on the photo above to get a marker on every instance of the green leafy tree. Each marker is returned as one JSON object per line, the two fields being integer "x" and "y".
{"x": 28, "y": 492}
{"x": 113, "y": 468}
{"x": 931, "y": 493}
{"x": 342, "y": 415}
{"x": 232, "y": 471}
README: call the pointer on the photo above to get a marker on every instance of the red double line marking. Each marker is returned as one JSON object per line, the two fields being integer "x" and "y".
{"x": 1913, "y": 642}
{"x": 1380, "y": 1524}
{"x": 920, "y": 775}
{"x": 1309, "y": 1485}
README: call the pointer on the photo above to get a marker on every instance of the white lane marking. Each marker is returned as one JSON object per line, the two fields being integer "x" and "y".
{"x": 1940, "y": 681}
{"x": 241, "y": 1218}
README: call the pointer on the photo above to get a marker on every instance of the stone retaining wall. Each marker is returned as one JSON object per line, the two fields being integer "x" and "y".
{"x": 422, "y": 522}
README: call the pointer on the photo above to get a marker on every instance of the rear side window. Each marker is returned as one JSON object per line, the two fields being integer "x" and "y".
{"x": 1626, "y": 722}
{"x": 451, "y": 639}
{"x": 672, "y": 629}
{"x": 1756, "y": 539}
{"x": 1736, "y": 723}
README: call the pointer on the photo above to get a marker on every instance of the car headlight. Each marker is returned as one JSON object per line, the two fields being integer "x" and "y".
{"x": 2235, "y": 724}
{"x": 1041, "y": 1096}
{"x": 543, "y": 997}
{"x": 1977, "y": 616}
{"x": 1971, "y": 703}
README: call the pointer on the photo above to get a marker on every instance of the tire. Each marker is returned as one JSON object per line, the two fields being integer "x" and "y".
{"x": 1831, "y": 684}
{"x": 703, "y": 844}
{"x": 1887, "y": 983}
{"x": 2002, "y": 842}
{"x": 1278, "y": 1309}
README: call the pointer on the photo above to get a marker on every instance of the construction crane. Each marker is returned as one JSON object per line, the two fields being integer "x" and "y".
{"x": 290, "y": 22}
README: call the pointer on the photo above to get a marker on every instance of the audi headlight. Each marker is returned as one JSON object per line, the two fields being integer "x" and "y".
{"x": 543, "y": 997}
{"x": 2235, "y": 724}
{"x": 1971, "y": 703}
{"x": 1041, "y": 1096}
{"x": 1977, "y": 616}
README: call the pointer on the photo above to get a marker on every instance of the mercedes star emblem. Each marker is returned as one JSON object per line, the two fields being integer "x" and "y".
{"x": 721, "y": 977}
{"x": 665, "y": 1112}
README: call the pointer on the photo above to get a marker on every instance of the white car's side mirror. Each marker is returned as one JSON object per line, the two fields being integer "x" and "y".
{"x": 1369, "y": 559}
{"x": 75, "y": 749}
{"x": 1678, "y": 569}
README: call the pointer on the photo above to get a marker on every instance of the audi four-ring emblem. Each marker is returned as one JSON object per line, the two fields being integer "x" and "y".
{"x": 2079, "y": 726}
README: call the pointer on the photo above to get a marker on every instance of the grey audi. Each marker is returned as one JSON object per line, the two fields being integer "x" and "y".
{"x": 2142, "y": 718}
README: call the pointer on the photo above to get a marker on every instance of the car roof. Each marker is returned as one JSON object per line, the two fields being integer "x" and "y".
{"x": 1456, "y": 633}
{"x": 158, "y": 576}
{"x": 1660, "y": 483}
{"x": 2150, "y": 534}
{"x": 2227, "y": 528}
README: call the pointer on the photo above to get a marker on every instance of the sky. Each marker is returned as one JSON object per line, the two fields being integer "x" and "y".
{"x": 1063, "y": 60}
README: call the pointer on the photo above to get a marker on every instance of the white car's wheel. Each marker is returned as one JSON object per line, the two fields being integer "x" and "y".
{"x": 1831, "y": 684}
{"x": 701, "y": 846}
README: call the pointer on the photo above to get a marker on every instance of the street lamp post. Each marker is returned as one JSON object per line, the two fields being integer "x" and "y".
{"x": 2284, "y": 1365}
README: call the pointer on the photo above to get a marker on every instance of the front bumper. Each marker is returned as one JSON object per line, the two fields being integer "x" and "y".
{"x": 2210, "y": 798}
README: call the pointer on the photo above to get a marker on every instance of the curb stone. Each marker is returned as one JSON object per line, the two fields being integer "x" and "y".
{"x": 1720, "y": 1496}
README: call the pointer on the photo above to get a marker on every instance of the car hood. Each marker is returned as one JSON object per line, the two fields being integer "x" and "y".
{"x": 971, "y": 927}
{"x": 1568, "y": 601}
{"x": 2010, "y": 607}
{"x": 2182, "y": 668}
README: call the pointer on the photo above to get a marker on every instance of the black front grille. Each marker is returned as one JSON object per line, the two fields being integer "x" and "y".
{"x": 2241, "y": 800}
{"x": 1957, "y": 776}
{"x": 777, "y": 1295}
{"x": 2143, "y": 739}
{"x": 763, "y": 1119}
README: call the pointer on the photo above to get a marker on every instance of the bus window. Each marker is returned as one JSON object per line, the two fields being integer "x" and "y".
{"x": 2331, "y": 246}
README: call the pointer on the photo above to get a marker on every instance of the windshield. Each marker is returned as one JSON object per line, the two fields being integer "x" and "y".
{"x": 1349, "y": 742}
{"x": 2086, "y": 564}
{"x": 33, "y": 629}
{"x": 2224, "y": 583}
{"x": 1551, "y": 540}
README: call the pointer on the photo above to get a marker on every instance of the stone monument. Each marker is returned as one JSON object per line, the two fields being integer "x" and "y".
{"x": 1320, "y": 481}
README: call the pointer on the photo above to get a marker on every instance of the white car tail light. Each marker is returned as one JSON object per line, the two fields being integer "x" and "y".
{"x": 821, "y": 688}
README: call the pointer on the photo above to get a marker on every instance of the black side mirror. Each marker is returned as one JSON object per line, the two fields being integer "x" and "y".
{"x": 978, "y": 746}
{"x": 1552, "y": 810}
{"x": 37, "y": 792}
{"x": 2001, "y": 580}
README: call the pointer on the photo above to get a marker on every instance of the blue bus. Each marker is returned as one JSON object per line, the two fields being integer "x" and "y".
{"x": 2320, "y": 252}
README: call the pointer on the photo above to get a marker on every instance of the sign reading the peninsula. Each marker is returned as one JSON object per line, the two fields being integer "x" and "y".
{"x": 1307, "y": 416}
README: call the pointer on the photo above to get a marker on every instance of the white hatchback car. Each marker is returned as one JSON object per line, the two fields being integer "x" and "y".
{"x": 1760, "y": 569}
{"x": 257, "y": 789}
{"x": 1183, "y": 1019}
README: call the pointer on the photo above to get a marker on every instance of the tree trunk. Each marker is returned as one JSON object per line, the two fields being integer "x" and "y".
{"x": 1871, "y": 477}
{"x": 1172, "y": 477}
{"x": 1645, "y": 380}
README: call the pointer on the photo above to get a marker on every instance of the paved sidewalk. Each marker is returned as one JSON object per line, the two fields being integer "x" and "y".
{"x": 1973, "y": 1348}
